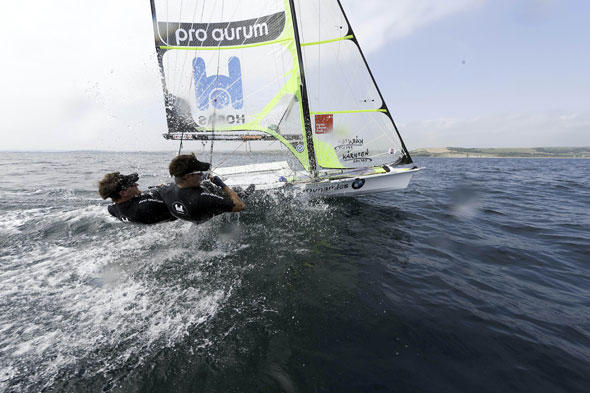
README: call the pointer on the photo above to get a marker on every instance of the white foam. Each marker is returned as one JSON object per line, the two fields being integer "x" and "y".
{"x": 66, "y": 302}
{"x": 12, "y": 222}
{"x": 72, "y": 290}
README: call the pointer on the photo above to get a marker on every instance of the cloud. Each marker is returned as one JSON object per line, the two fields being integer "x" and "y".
{"x": 83, "y": 75}
{"x": 80, "y": 75}
{"x": 508, "y": 130}
{"x": 377, "y": 22}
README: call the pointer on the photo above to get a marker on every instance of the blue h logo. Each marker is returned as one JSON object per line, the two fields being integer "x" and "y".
{"x": 219, "y": 90}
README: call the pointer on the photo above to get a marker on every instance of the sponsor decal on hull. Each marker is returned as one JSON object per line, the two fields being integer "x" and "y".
{"x": 358, "y": 183}
{"x": 325, "y": 189}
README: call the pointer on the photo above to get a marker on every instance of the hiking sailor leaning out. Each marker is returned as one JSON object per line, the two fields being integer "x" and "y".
{"x": 189, "y": 199}
{"x": 129, "y": 203}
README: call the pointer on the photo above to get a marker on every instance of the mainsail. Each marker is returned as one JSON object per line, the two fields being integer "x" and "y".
{"x": 288, "y": 69}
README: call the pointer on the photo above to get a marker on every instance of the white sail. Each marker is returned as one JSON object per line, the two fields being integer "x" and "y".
{"x": 231, "y": 66}
{"x": 351, "y": 123}
{"x": 291, "y": 69}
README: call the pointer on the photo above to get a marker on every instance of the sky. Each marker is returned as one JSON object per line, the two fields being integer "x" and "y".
{"x": 471, "y": 73}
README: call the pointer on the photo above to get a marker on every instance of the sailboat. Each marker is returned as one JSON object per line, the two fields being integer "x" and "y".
{"x": 289, "y": 71}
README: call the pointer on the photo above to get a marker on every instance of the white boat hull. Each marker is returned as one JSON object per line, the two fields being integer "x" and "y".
{"x": 360, "y": 185}
{"x": 278, "y": 176}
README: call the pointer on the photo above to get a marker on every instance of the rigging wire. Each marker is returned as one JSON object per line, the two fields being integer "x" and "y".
{"x": 221, "y": 163}
{"x": 194, "y": 17}
{"x": 168, "y": 40}
{"x": 319, "y": 89}
{"x": 215, "y": 99}
{"x": 181, "y": 138}
{"x": 179, "y": 81}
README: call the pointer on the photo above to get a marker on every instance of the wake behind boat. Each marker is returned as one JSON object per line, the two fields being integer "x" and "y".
{"x": 289, "y": 71}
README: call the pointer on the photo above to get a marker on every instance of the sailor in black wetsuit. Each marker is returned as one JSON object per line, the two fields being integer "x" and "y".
{"x": 130, "y": 204}
{"x": 189, "y": 200}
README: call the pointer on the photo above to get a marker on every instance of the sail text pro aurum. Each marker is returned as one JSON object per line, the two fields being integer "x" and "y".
{"x": 245, "y": 32}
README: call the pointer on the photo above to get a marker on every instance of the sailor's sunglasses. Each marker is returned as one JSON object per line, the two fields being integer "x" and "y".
{"x": 200, "y": 173}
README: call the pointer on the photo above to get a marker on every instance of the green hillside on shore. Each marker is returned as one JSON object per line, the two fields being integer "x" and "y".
{"x": 506, "y": 152}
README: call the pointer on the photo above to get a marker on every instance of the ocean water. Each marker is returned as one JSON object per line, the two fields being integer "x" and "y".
{"x": 474, "y": 279}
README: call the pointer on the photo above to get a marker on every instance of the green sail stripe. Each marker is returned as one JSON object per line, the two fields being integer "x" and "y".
{"x": 325, "y": 154}
{"x": 352, "y": 111}
{"x": 288, "y": 88}
{"x": 223, "y": 47}
{"x": 348, "y": 37}
{"x": 291, "y": 87}
{"x": 302, "y": 157}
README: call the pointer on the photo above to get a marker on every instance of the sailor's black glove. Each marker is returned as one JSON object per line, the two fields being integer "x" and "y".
{"x": 217, "y": 181}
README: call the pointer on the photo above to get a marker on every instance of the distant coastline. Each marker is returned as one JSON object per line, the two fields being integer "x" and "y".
{"x": 442, "y": 152}
{"x": 507, "y": 152}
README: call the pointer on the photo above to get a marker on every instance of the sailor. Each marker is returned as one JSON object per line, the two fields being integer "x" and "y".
{"x": 129, "y": 203}
{"x": 189, "y": 199}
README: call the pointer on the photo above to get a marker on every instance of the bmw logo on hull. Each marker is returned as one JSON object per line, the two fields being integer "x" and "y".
{"x": 358, "y": 183}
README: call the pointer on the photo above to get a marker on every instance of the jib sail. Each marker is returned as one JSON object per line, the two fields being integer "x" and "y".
{"x": 351, "y": 123}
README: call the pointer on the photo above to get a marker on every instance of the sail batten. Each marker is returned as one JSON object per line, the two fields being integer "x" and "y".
{"x": 350, "y": 111}
{"x": 214, "y": 48}
{"x": 348, "y": 37}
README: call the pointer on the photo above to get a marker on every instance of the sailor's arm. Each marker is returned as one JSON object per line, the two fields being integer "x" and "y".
{"x": 239, "y": 205}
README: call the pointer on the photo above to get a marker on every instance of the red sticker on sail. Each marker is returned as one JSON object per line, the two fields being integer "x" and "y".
{"x": 324, "y": 124}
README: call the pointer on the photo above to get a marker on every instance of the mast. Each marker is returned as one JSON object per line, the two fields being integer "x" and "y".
{"x": 160, "y": 55}
{"x": 408, "y": 159}
{"x": 304, "y": 100}
{"x": 159, "y": 52}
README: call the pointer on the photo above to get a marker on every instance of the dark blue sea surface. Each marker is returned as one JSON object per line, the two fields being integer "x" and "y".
{"x": 474, "y": 279}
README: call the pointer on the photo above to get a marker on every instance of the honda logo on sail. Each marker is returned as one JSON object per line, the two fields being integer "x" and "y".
{"x": 218, "y": 90}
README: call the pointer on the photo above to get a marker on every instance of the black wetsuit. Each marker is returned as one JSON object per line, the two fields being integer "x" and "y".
{"x": 146, "y": 208}
{"x": 197, "y": 204}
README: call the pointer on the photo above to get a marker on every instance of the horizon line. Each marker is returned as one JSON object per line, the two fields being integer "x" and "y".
{"x": 274, "y": 150}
